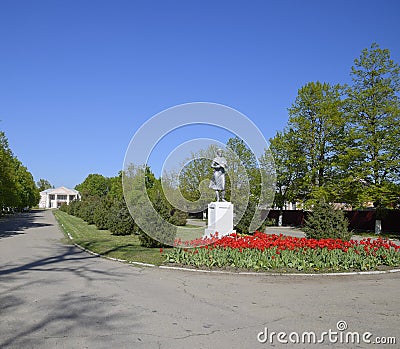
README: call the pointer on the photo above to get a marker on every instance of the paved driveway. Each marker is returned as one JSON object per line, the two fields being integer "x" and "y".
{"x": 53, "y": 295}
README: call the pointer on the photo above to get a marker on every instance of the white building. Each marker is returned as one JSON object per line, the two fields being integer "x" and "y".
{"x": 54, "y": 198}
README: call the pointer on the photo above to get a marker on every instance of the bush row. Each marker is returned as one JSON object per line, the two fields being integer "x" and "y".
{"x": 103, "y": 205}
{"x": 105, "y": 213}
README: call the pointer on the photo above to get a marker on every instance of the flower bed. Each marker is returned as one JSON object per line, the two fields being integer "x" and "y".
{"x": 265, "y": 252}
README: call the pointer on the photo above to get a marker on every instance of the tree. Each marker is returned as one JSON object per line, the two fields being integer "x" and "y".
{"x": 43, "y": 184}
{"x": 325, "y": 222}
{"x": 116, "y": 191}
{"x": 120, "y": 221}
{"x": 244, "y": 179}
{"x": 94, "y": 185}
{"x": 17, "y": 187}
{"x": 374, "y": 110}
{"x": 243, "y": 157}
{"x": 102, "y": 213}
{"x": 243, "y": 182}
{"x": 195, "y": 173}
{"x": 287, "y": 152}
{"x": 7, "y": 175}
{"x": 147, "y": 204}
{"x": 314, "y": 135}
{"x": 27, "y": 192}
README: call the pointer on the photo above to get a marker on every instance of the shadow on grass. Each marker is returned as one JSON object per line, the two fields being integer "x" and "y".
{"x": 94, "y": 246}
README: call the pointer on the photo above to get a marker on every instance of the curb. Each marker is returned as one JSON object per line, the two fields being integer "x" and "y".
{"x": 106, "y": 257}
{"x": 352, "y": 273}
{"x": 372, "y": 272}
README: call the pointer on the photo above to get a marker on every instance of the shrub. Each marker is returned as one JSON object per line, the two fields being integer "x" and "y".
{"x": 120, "y": 221}
{"x": 101, "y": 214}
{"x": 325, "y": 222}
{"x": 64, "y": 208}
{"x": 73, "y": 208}
{"x": 243, "y": 226}
{"x": 160, "y": 230}
{"x": 148, "y": 241}
{"x": 87, "y": 208}
{"x": 178, "y": 218}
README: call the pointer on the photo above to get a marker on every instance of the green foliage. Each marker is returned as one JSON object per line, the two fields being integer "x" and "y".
{"x": 148, "y": 241}
{"x": 326, "y": 222}
{"x": 17, "y": 187}
{"x": 243, "y": 225}
{"x": 242, "y": 162}
{"x": 120, "y": 222}
{"x": 43, "y": 184}
{"x": 109, "y": 210}
{"x": 374, "y": 111}
{"x": 125, "y": 247}
{"x": 161, "y": 231}
{"x": 74, "y": 207}
{"x": 64, "y": 207}
{"x": 101, "y": 214}
{"x": 94, "y": 185}
{"x": 103, "y": 204}
{"x": 196, "y": 171}
{"x": 87, "y": 208}
{"x": 341, "y": 143}
{"x": 286, "y": 151}
{"x": 316, "y": 124}
{"x": 178, "y": 218}
{"x": 299, "y": 259}
{"x": 243, "y": 152}
{"x": 116, "y": 191}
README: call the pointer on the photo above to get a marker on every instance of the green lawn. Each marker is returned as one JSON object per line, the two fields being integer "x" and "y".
{"x": 189, "y": 232}
{"x": 103, "y": 242}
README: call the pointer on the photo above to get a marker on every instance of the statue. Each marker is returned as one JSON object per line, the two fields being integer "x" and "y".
{"x": 217, "y": 182}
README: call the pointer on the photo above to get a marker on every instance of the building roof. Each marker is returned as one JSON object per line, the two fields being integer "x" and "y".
{"x": 60, "y": 191}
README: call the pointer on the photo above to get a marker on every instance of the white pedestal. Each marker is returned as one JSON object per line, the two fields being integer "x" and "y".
{"x": 220, "y": 219}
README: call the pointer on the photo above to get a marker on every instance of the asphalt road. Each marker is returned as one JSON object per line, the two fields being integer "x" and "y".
{"x": 53, "y": 295}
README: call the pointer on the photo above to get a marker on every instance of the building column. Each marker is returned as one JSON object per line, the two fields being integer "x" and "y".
{"x": 67, "y": 199}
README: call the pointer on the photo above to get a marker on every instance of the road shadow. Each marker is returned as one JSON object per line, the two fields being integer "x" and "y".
{"x": 70, "y": 259}
{"x": 69, "y": 315}
{"x": 48, "y": 293}
{"x": 16, "y": 224}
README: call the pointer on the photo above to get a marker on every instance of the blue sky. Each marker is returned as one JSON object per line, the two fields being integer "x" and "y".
{"x": 78, "y": 78}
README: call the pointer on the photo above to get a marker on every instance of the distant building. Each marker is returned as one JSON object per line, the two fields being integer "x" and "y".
{"x": 54, "y": 198}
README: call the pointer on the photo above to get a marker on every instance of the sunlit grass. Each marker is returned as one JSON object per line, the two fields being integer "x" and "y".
{"x": 103, "y": 242}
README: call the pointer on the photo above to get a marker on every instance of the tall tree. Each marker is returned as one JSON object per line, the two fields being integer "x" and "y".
{"x": 94, "y": 185}
{"x": 242, "y": 161}
{"x": 7, "y": 176}
{"x": 195, "y": 175}
{"x": 27, "y": 192}
{"x": 289, "y": 160}
{"x": 314, "y": 133}
{"x": 17, "y": 187}
{"x": 43, "y": 184}
{"x": 116, "y": 191}
{"x": 374, "y": 110}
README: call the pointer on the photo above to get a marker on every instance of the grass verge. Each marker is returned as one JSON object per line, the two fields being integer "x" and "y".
{"x": 103, "y": 242}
